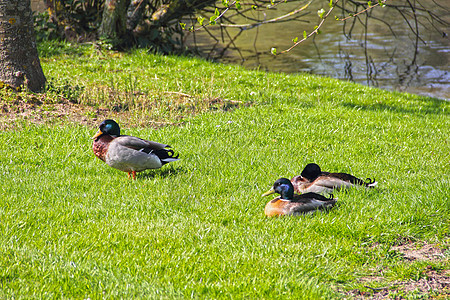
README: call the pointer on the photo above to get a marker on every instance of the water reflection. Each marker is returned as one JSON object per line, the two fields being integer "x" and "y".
{"x": 389, "y": 58}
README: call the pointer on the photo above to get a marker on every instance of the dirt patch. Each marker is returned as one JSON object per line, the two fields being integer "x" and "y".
{"x": 413, "y": 252}
{"x": 38, "y": 112}
{"x": 45, "y": 109}
{"x": 432, "y": 284}
{"x": 435, "y": 284}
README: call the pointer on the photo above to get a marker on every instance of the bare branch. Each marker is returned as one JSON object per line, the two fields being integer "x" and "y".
{"x": 274, "y": 20}
{"x": 363, "y": 11}
{"x": 314, "y": 32}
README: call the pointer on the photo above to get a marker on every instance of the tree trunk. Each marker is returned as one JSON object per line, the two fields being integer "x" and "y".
{"x": 19, "y": 60}
{"x": 115, "y": 24}
{"x": 178, "y": 8}
{"x": 114, "y": 19}
{"x": 135, "y": 13}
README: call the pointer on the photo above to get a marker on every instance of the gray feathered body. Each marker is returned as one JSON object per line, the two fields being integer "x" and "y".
{"x": 128, "y": 153}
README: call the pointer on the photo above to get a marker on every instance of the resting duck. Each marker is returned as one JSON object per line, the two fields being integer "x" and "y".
{"x": 128, "y": 153}
{"x": 288, "y": 204}
{"x": 313, "y": 179}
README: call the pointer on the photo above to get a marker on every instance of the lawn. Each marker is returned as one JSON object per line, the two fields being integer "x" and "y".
{"x": 72, "y": 227}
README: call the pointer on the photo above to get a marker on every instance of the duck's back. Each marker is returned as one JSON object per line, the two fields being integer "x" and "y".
{"x": 123, "y": 157}
{"x": 347, "y": 178}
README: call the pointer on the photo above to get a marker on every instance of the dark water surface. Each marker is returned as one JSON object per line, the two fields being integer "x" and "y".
{"x": 392, "y": 61}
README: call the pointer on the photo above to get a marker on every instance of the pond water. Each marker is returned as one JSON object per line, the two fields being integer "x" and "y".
{"x": 388, "y": 58}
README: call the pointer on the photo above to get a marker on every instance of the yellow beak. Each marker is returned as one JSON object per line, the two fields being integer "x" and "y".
{"x": 269, "y": 192}
{"x": 99, "y": 133}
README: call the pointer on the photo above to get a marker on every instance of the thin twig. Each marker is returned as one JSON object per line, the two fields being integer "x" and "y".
{"x": 277, "y": 19}
{"x": 376, "y": 289}
{"x": 178, "y": 93}
{"x": 315, "y": 31}
{"x": 219, "y": 16}
{"x": 370, "y": 7}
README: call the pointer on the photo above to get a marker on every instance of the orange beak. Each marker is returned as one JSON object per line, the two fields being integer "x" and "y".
{"x": 269, "y": 192}
{"x": 99, "y": 133}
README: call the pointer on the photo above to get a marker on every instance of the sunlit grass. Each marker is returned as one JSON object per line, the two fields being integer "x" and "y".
{"x": 73, "y": 227}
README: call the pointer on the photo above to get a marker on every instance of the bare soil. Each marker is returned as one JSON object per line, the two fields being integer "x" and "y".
{"x": 35, "y": 111}
{"x": 433, "y": 284}
{"x": 41, "y": 109}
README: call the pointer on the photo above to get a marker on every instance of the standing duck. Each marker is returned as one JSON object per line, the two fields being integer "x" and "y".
{"x": 128, "y": 153}
{"x": 288, "y": 204}
{"x": 313, "y": 179}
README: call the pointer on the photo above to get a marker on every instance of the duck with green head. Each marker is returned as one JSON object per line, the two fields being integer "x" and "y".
{"x": 313, "y": 179}
{"x": 128, "y": 153}
{"x": 288, "y": 204}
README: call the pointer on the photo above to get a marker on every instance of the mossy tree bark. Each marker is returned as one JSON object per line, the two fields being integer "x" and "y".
{"x": 164, "y": 13}
{"x": 135, "y": 13}
{"x": 122, "y": 16}
{"x": 19, "y": 60}
{"x": 114, "y": 20}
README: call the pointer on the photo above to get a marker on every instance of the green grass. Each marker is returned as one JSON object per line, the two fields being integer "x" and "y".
{"x": 72, "y": 227}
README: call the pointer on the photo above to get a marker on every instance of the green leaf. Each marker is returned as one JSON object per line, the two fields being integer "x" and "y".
{"x": 321, "y": 12}
{"x": 254, "y": 7}
{"x": 295, "y": 40}
{"x": 200, "y": 20}
{"x": 183, "y": 26}
{"x": 336, "y": 18}
{"x": 273, "y": 51}
{"x": 369, "y": 3}
{"x": 216, "y": 12}
{"x": 212, "y": 20}
{"x": 238, "y": 4}
{"x": 381, "y": 3}
{"x": 305, "y": 35}
{"x": 330, "y": 4}
{"x": 225, "y": 3}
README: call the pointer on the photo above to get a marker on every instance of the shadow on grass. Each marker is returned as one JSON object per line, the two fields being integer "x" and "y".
{"x": 165, "y": 172}
{"x": 424, "y": 106}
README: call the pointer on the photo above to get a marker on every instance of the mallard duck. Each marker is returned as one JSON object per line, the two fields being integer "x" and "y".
{"x": 128, "y": 153}
{"x": 288, "y": 204}
{"x": 313, "y": 179}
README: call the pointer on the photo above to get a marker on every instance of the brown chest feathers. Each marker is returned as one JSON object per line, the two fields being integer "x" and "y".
{"x": 100, "y": 146}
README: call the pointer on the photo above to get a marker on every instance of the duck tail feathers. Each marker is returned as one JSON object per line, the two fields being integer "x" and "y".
{"x": 371, "y": 182}
{"x": 168, "y": 160}
{"x": 166, "y": 155}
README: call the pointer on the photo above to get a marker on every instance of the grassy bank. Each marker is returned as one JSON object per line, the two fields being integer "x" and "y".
{"x": 73, "y": 227}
